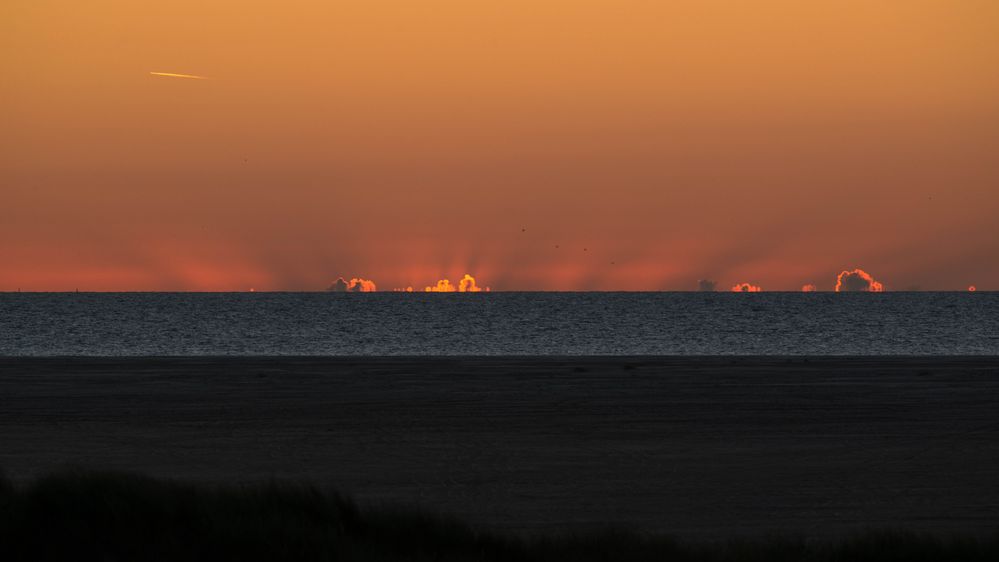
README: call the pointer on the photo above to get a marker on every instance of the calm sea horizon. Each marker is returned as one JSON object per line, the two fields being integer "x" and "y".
{"x": 498, "y": 323}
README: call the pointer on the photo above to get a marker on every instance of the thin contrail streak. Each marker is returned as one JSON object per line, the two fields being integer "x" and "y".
{"x": 172, "y": 75}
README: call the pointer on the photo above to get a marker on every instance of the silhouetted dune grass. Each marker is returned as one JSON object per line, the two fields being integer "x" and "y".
{"x": 79, "y": 515}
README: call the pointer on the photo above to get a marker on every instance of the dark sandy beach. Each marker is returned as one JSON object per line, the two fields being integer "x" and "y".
{"x": 697, "y": 447}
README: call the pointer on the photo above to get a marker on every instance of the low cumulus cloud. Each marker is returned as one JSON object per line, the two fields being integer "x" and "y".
{"x": 466, "y": 285}
{"x": 442, "y": 286}
{"x": 809, "y": 288}
{"x": 857, "y": 280}
{"x": 706, "y": 285}
{"x": 355, "y": 285}
{"x": 747, "y": 288}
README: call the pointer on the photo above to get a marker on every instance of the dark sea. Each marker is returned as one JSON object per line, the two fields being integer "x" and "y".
{"x": 266, "y": 324}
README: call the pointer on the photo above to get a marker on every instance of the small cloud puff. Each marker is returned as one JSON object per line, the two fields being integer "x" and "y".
{"x": 857, "y": 280}
{"x": 442, "y": 286}
{"x": 355, "y": 285}
{"x": 747, "y": 288}
{"x": 466, "y": 285}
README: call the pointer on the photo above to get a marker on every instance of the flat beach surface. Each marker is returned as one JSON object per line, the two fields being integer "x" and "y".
{"x": 696, "y": 447}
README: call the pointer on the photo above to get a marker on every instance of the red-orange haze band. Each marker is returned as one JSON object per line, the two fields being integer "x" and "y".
{"x": 847, "y": 281}
{"x": 467, "y": 284}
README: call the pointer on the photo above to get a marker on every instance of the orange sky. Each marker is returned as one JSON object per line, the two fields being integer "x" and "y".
{"x": 770, "y": 142}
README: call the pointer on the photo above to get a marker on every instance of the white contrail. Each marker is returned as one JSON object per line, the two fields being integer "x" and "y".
{"x": 172, "y": 75}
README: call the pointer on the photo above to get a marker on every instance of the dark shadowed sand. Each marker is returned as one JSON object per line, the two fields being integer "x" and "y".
{"x": 698, "y": 447}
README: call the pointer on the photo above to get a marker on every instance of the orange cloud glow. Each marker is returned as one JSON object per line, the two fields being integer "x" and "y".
{"x": 355, "y": 285}
{"x": 809, "y": 288}
{"x": 466, "y": 285}
{"x": 747, "y": 288}
{"x": 442, "y": 286}
{"x": 857, "y": 280}
{"x": 972, "y": 289}
{"x": 362, "y": 285}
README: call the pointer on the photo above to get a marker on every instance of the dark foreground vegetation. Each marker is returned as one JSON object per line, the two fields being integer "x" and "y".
{"x": 78, "y": 515}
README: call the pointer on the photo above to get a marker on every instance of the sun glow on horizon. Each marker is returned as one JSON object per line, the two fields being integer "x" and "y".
{"x": 547, "y": 145}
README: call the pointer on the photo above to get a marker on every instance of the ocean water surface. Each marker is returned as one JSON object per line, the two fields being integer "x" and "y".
{"x": 258, "y": 324}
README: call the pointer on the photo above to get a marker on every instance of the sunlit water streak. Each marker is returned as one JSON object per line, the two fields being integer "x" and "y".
{"x": 108, "y": 324}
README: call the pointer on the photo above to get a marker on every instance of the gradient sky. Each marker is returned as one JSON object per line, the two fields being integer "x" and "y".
{"x": 770, "y": 142}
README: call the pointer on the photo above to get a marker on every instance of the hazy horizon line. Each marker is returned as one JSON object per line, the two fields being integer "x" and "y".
{"x": 619, "y": 291}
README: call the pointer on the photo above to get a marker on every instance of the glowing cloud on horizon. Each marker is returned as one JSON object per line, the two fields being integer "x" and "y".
{"x": 466, "y": 285}
{"x": 355, "y": 285}
{"x": 857, "y": 280}
{"x": 442, "y": 286}
{"x": 362, "y": 285}
{"x": 972, "y": 288}
{"x": 809, "y": 288}
{"x": 747, "y": 288}
{"x": 175, "y": 75}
